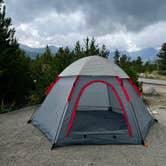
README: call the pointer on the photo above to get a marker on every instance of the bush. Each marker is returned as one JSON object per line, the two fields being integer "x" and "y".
{"x": 133, "y": 75}
{"x": 162, "y": 72}
{"x": 5, "y": 108}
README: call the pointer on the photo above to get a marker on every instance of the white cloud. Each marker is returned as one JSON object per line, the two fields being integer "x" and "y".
{"x": 55, "y": 29}
{"x": 66, "y": 29}
{"x": 151, "y": 36}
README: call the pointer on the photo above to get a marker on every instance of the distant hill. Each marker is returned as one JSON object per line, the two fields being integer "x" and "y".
{"x": 147, "y": 54}
{"x": 33, "y": 52}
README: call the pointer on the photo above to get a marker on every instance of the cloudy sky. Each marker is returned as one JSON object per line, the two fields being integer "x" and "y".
{"x": 123, "y": 24}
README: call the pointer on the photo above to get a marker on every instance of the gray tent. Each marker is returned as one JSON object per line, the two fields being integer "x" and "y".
{"x": 93, "y": 101}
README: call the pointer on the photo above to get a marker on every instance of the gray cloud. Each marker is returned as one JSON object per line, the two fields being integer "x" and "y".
{"x": 105, "y": 15}
{"x": 75, "y": 18}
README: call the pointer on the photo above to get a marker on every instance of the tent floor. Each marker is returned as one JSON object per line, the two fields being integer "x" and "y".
{"x": 98, "y": 122}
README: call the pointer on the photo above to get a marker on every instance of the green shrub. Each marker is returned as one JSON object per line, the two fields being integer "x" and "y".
{"x": 133, "y": 75}
{"x": 5, "y": 108}
{"x": 162, "y": 72}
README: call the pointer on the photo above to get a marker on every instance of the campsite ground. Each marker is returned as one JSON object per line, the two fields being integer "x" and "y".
{"x": 21, "y": 144}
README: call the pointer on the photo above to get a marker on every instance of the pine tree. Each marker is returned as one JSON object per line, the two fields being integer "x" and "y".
{"x": 77, "y": 49}
{"x": 86, "y": 42}
{"x": 47, "y": 56}
{"x": 104, "y": 52}
{"x": 139, "y": 61}
{"x": 93, "y": 48}
{"x": 15, "y": 80}
{"x": 123, "y": 61}
{"x": 63, "y": 58}
{"x": 162, "y": 59}
{"x": 138, "y": 66}
{"x": 116, "y": 57}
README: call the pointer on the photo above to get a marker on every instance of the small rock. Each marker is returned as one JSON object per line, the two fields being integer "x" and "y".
{"x": 151, "y": 92}
{"x": 155, "y": 113}
{"x": 162, "y": 107}
{"x": 151, "y": 76}
{"x": 142, "y": 75}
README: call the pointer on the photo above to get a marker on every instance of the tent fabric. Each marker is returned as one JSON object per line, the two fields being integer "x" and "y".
{"x": 52, "y": 85}
{"x": 48, "y": 117}
{"x": 93, "y": 65}
{"x": 93, "y": 109}
{"x": 120, "y": 82}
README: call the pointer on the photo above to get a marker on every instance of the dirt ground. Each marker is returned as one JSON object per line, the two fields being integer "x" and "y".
{"x": 21, "y": 144}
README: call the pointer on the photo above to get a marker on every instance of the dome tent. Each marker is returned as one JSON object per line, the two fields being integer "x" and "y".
{"x": 93, "y": 101}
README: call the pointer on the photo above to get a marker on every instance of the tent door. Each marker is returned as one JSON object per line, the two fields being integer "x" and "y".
{"x": 98, "y": 111}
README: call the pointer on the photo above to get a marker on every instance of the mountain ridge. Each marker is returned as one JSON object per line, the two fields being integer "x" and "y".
{"x": 147, "y": 54}
{"x": 33, "y": 52}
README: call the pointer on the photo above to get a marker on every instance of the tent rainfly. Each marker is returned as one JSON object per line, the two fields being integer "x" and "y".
{"x": 93, "y": 101}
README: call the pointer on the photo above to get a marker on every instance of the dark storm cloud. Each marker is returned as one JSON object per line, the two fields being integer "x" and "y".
{"x": 102, "y": 16}
{"x": 123, "y": 24}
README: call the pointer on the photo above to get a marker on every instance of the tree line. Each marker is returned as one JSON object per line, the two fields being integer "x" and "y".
{"x": 24, "y": 81}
